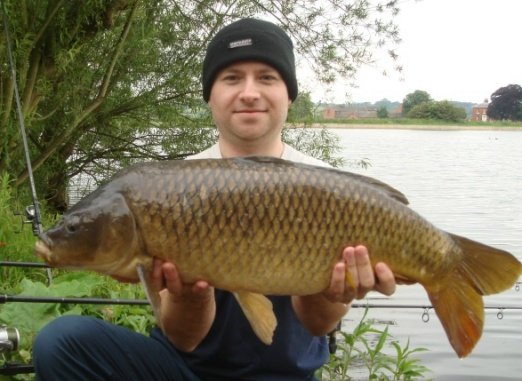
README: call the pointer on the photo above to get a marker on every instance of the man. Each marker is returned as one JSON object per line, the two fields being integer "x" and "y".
{"x": 249, "y": 82}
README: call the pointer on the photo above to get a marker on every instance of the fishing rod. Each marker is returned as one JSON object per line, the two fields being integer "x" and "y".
{"x": 23, "y": 264}
{"x": 33, "y": 213}
{"x": 426, "y": 313}
{"x": 12, "y": 298}
{"x": 40, "y": 299}
{"x": 64, "y": 300}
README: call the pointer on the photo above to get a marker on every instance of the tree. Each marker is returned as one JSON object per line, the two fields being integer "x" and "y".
{"x": 382, "y": 112}
{"x": 302, "y": 110}
{"x": 107, "y": 82}
{"x": 413, "y": 99}
{"x": 441, "y": 110}
{"x": 506, "y": 103}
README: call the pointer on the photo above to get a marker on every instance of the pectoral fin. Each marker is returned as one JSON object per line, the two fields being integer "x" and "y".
{"x": 258, "y": 311}
{"x": 152, "y": 296}
{"x": 403, "y": 279}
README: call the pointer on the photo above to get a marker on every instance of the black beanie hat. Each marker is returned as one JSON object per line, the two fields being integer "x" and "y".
{"x": 250, "y": 39}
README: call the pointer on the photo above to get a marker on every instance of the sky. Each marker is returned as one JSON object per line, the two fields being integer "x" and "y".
{"x": 458, "y": 50}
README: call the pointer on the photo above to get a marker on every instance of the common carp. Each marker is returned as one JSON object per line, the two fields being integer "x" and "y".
{"x": 263, "y": 226}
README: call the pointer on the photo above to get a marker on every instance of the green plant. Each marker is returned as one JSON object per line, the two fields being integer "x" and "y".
{"x": 407, "y": 367}
{"x": 29, "y": 318}
{"x": 365, "y": 349}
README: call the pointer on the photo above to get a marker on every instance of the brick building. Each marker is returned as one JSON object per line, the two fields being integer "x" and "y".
{"x": 478, "y": 112}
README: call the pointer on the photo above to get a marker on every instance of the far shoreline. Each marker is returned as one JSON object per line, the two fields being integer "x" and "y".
{"x": 362, "y": 126}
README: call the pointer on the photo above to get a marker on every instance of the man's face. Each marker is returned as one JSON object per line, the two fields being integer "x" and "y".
{"x": 249, "y": 102}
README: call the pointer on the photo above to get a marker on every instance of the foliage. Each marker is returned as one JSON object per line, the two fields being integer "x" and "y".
{"x": 319, "y": 143}
{"x": 29, "y": 318}
{"x": 16, "y": 244}
{"x": 104, "y": 83}
{"x": 440, "y": 110}
{"x": 365, "y": 348}
{"x": 302, "y": 110}
{"x": 506, "y": 103}
{"x": 389, "y": 105}
{"x": 16, "y": 241}
{"x": 414, "y": 99}
{"x": 382, "y": 112}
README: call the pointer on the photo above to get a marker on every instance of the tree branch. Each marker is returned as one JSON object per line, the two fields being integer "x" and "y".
{"x": 95, "y": 104}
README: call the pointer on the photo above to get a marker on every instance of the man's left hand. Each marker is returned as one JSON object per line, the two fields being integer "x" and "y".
{"x": 354, "y": 276}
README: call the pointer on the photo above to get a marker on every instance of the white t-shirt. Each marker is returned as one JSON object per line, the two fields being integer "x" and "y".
{"x": 289, "y": 153}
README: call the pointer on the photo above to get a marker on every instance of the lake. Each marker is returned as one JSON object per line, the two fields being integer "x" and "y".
{"x": 468, "y": 183}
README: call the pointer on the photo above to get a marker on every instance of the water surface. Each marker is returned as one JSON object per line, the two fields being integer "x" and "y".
{"x": 468, "y": 183}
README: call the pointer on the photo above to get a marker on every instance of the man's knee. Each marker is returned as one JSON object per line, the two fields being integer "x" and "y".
{"x": 60, "y": 339}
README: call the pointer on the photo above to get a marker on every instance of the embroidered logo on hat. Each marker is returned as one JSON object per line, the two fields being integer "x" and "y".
{"x": 240, "y": 43}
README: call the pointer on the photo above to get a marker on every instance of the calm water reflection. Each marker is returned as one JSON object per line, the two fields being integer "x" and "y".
{"x": 468, "y": 183}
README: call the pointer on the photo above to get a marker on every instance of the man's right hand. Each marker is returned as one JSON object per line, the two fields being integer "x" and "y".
{"x": 187, "y": 310}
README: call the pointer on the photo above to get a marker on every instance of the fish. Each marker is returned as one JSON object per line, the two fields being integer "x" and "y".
{"x": 258, "y": 226}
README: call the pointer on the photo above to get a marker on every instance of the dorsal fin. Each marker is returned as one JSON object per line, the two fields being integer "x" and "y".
{"x": 387, "y": 189}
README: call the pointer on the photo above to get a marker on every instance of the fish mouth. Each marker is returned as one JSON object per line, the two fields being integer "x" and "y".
{"x": 43, "y": 251}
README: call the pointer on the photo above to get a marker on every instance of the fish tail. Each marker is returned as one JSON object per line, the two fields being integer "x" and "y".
{"x": 457, "y": 299}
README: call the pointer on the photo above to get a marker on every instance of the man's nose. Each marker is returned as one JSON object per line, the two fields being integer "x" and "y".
{"x": 250, "y": 91}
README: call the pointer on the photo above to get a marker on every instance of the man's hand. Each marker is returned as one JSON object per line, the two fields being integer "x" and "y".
{"x": 321, "y": 312}
{"x": 361, "y": 279}
{"x": 166, "y": 280}
{"x": 187, "y": 310}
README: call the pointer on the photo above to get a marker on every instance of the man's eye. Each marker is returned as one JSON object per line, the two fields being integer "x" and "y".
{"x": 230, "y": 78}
{"x": 269, "y": 78}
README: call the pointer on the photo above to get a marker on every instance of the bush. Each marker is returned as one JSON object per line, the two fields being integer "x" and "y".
{"x": 440, "y": 110}
{"x": 382, "y": 112}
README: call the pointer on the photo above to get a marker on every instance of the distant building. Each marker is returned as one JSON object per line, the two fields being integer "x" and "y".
{"x": 358, "y": 111}
{"x": 349, "y": 112}
{"x": 478, "y": 112}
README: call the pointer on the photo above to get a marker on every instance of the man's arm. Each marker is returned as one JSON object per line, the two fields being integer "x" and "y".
{"x": 320, "y": 313}
{"x": 187, "y": 311}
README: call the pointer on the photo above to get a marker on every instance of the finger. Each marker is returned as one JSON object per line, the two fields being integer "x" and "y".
{"x": 172, "y": 278}
{"x": 334, "y": 292}
{"x": 157, "y": 280}
{"x": 351, "y": 276}
{"x": 366, "y": 276}
{"x": 385, "y": 279}
{"x": 200, "y": 287}
{"x": 338, "y": 278}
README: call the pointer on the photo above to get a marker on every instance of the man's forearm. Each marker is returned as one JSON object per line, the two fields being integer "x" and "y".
{"x": 187, "y": 322}
{"x": 318, "y": 314}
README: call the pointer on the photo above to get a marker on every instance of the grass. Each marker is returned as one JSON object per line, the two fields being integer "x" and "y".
{"x": 416, "y": 122}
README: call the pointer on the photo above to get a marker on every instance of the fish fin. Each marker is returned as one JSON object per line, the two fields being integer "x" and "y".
{"x": 457, "y": 299}
{"x": 152, "y": 297}
{"x": 258, "y": 311}
{"x": 491, "y": 270}
{"x": 385, "y": 188}
{"x": 402, "y": 279}
{"x": 460, "y": 310}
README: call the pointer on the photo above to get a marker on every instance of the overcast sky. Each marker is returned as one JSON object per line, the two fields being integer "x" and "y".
{"x": 461, "y": 50}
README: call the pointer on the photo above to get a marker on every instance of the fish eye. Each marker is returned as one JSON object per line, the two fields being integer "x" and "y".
{"x": 71, "y": 225}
